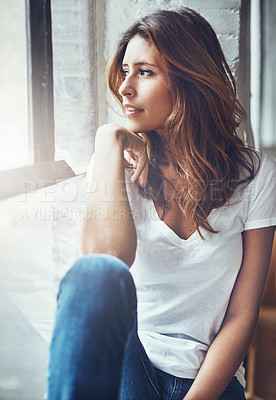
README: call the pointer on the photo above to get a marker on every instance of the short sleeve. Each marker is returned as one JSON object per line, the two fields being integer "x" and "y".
{"x": 262, "y": 196}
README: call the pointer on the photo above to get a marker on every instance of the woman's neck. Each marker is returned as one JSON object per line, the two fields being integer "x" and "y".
{"x": 173, "y": 183}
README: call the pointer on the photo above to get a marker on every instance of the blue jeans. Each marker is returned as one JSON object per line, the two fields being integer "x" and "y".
{"x": 95, "y": 353}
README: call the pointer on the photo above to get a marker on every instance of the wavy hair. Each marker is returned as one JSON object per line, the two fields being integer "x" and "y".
{"x": 200, "y": 135}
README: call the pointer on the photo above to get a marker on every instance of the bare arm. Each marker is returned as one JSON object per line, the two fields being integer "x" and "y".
{"x": 108, "y": 226}
{"x": 231, "y": 344}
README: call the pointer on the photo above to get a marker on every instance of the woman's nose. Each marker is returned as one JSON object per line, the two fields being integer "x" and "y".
{"x": 127, "y": 88}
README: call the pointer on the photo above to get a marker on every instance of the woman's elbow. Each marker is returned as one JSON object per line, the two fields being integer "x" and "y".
{"x": 127, "y": 255}
{"x": 243, "y": 320}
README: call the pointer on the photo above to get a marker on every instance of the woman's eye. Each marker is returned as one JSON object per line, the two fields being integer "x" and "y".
{"x": 142, "y": 72}
{"x": 124, "y": 72}
{"x": 145, "y": 72}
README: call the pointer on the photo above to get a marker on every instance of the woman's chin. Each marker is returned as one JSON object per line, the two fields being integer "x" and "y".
{"x": 134, "y": 127}
{"x": 138, "y": 128}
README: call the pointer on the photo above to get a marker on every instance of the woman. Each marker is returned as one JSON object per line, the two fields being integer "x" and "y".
{"x": 177, "y": 198}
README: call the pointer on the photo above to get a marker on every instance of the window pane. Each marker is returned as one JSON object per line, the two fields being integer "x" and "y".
{"x": 13, "y": 82}
{"x": 75, "y": 100}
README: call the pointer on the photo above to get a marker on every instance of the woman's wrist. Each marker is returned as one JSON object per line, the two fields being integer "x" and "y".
{"x": 110, "y": 134}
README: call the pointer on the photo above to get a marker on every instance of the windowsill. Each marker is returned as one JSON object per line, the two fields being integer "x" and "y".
{"x": 33, "y": 177}
{"x": 80, "y": 168}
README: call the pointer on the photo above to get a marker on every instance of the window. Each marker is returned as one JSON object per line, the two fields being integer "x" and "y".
{"x": 75, "y": 80}
{"x": 49, "y": 98}
{"x": 14, "y": 147}
{"x": 27, "y": 133}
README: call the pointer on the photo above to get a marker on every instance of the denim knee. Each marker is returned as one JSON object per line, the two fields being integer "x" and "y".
{"x": 100, "y": 276}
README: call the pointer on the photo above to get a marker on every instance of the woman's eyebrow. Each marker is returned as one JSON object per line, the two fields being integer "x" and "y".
{"x": 141, "y": 63}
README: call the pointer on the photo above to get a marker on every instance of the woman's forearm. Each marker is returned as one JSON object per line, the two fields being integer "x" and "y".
{"x": 108, "y": 226}
{"x": 223, "y": 359}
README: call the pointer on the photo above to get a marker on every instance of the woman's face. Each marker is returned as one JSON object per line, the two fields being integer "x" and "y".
{"x": 145, "y": 93}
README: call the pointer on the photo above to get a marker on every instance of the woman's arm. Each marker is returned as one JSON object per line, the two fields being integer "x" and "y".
{"x": 231, "y": 344}
{"x": 108, "y": 225}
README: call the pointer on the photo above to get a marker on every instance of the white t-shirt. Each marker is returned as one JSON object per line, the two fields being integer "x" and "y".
{"x": 184, "y": 286}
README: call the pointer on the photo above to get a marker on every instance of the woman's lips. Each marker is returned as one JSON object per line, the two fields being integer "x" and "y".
{"x": 130, "y": 110}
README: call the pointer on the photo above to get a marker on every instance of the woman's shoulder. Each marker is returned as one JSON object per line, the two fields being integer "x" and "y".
{"x": 267, "y": 163}
{"x": 253, "y": 203}
{"x": 265, "y": 168}
{"x": 261, "y": 194}
{"x": 260, "y": 165}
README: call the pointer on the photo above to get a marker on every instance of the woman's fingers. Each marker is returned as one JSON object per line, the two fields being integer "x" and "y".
{"x": 143, "y": 178}
{"x": 136, "y": 149}
{"x": 141, "y": 171}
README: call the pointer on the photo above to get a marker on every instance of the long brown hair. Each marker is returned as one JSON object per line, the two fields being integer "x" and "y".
{"x": 200, "y": 135}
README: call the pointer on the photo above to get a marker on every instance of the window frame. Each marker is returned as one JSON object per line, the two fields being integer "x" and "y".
{"x": 40, "y": 80}
{"x": 243, "y": 81}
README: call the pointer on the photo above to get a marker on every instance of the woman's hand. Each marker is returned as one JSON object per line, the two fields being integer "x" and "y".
{"x": 135, "y": 147}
